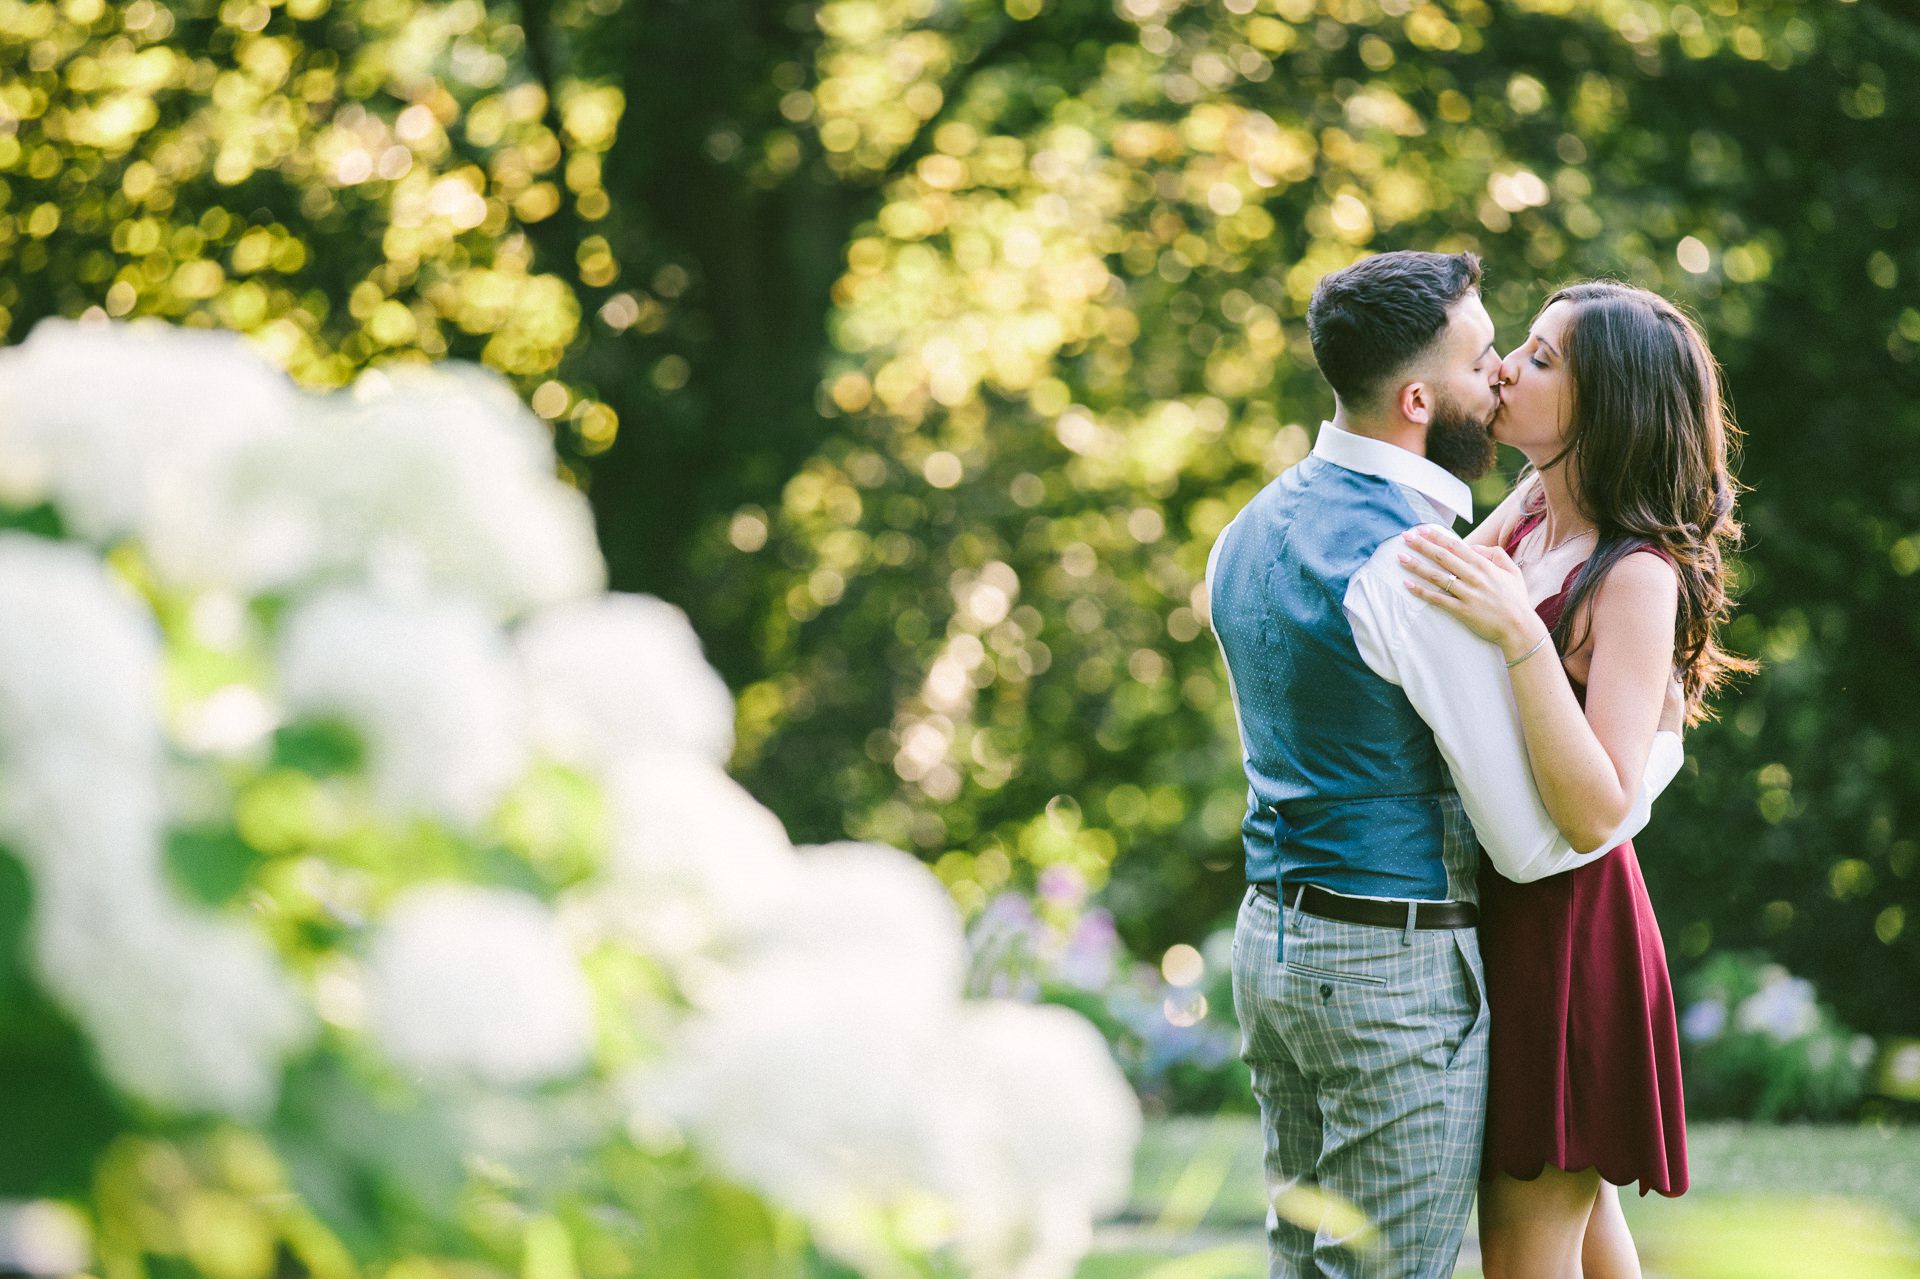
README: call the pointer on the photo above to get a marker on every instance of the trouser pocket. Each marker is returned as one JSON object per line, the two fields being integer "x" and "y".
{"x": 1471, "y": 976}
{"x": 1315, "y": 972}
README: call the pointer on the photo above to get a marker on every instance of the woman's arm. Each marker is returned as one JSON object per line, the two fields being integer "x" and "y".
{"x": 1494, "y": 530}
{"x": 1586, "y": 765}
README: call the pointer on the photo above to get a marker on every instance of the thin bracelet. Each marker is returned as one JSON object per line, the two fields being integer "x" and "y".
{"x": 1538, "y": 644}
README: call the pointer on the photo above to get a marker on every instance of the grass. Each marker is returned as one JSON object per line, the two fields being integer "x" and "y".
{"x": 1792, "y": 1201}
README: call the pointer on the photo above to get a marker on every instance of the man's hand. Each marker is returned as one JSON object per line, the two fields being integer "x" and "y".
{"x": 1673, "y": 711}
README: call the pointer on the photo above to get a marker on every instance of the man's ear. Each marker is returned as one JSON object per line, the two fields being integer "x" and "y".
{"x": 1416, "y": 403}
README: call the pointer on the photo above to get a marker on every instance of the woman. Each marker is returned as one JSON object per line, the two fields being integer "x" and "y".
{"x": 1608, "y": 555}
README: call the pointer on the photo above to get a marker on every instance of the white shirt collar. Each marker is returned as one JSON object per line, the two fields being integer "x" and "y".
{"x": 1369, "y": 456}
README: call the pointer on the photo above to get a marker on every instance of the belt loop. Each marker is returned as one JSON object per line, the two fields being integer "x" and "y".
{"x": 1299, "y": 897}
{"x": 1413, "y": 912}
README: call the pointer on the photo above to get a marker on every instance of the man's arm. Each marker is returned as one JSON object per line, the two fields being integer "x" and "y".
{"x": 1458, "y": 683}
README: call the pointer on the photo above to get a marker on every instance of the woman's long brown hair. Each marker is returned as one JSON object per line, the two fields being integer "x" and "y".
{"x": 1650, "y": 443}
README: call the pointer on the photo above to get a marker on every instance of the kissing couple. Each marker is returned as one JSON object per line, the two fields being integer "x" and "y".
{"x": 1446, "y": 970}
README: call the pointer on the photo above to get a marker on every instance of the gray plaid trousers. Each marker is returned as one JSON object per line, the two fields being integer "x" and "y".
{"x": 1368, "y": 1049}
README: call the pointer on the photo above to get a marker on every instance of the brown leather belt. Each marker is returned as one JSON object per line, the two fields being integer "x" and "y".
{"x": 1378, "y": 914}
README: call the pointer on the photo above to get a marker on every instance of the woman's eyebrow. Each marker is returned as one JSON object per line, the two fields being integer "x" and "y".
{"x": 1550, "y": 348}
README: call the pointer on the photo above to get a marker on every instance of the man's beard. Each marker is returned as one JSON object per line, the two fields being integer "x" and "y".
{"x": 1459, "y": 442}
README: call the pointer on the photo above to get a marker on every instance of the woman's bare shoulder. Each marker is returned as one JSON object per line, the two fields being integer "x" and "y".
{"x": 1636, "y": 603}
{"x": 1640, "y": 577}
{"x": 1640, "y": 593}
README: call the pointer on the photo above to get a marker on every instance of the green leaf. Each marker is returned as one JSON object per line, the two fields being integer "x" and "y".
{"x": 211, "y": 863}
{"x": 320, "y": 747}
{"x": 42, "y": 520}
{"x": 16, "y": 908}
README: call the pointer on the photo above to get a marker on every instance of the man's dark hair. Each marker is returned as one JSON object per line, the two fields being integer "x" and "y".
{"x": 1370, "y": 320}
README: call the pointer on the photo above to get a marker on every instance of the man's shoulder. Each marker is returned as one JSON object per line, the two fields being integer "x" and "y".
{"x": 1378, "y": 580}
{"x": 1378, "y": 587}
{"x": 1369, "y": 509}
{"x": 1333, "y": 522}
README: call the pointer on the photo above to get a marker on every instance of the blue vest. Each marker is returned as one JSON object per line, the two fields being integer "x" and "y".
{"x": 1345, "y": 782}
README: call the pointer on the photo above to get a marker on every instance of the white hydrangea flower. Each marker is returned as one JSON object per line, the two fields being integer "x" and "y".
{"x": 869, "y": 913}
{"x": 827, "y": 1060}
{"x": 231, "y": 479}
{"x": 431, "y": 687}
{"x": 79, "y": 716}
{"x": 695, "y": 860}
{"x": 616, "y": 674}
{"x": 1001, "y": 1130}
{"x": 79, "y": 656}
{"x": 186, "y": 1008}
{"x": 466, "y": 981}
{"x": 1056, "y": 1124}
{"x": 417, "y": 476}
{"x": 1783, "y": 1007}
{"x": 821, "y": 1096}
{"x": 484, "y": 502}
{"x": 121, "y": 426}
{"x": 44, "y": 1237}
{"x": 257, "y": 524}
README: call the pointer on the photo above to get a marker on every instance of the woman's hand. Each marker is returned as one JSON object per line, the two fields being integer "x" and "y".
{"x": 1480, "y": 585}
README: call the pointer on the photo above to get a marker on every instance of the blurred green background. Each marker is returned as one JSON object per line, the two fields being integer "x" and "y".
{"x": 919, "y": 348}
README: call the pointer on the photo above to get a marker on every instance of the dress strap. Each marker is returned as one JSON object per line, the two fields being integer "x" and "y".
{"x": 1651, "y": 548}
{"x": 1654, "y": 548}
{"x": 1524, "y": 527}
{"x": 1527, "y": 525}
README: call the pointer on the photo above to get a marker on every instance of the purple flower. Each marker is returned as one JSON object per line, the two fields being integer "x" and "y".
{"x": 1063, "y": 884}
{"x": 1088, "y": 959}
{"x": 1704, "y": 1020}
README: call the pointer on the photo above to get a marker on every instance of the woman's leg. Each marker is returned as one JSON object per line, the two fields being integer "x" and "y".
{"x": 1534, "y": 1229}
{"x": 1608, "y": 1252}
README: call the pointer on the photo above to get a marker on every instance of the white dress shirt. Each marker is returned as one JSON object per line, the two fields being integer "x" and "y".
{"x": 1458, "y": 682}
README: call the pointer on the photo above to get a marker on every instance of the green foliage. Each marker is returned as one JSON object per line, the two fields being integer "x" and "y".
{"x": 212, "y": 864}
{"x": 1760, "y": 1047}
{"x": 320, "y": 747}
{"x": 289, "y": 170}
{"x": 919, "y": 352}
{"x": 16, "y": 908}
{"x": 1068, "y": 346}
{"x": 58, "y": 1115}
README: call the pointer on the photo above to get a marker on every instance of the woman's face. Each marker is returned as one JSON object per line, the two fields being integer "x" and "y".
{"x": 1536, "y": 401}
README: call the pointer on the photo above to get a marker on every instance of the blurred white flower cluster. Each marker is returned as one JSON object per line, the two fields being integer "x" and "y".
{"x": 227, "y": 476}
{"x": 184, "y": 1006}
{"x": 1783, "y": 1007}
{"x": 1760, "y": 1044}
{"x": 437, "y": 591}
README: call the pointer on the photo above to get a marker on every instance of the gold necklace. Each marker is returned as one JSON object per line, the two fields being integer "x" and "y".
{"x": 1554, "y": 546}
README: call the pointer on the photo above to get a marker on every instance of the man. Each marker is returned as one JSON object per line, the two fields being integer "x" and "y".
{"x": 1379, "y": 738}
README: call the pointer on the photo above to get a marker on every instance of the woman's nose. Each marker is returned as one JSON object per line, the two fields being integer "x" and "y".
{"x": 1509, "y": 369}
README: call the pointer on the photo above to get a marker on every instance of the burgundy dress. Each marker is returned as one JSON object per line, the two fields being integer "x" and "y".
{"x": 1585, "y": 1051}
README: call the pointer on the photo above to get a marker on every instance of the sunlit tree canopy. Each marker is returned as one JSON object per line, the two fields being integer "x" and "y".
{"x": 920, "y": 349}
